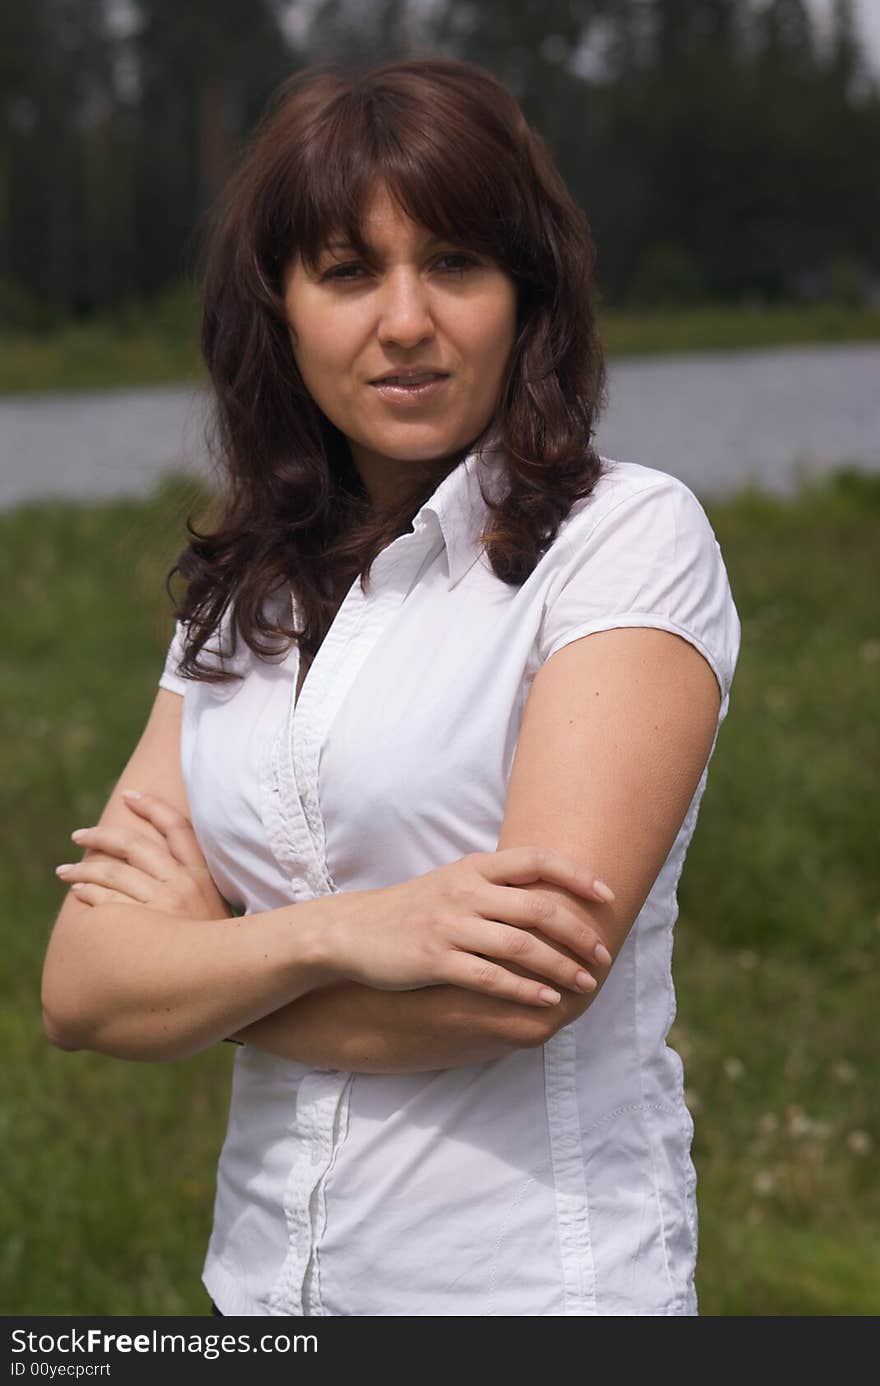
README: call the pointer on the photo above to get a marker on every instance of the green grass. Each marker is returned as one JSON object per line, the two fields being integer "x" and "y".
{"x": 95, "y": 357}
{"x": 717, "y": 328}
{"x": 162, "y": 347}
{"x": 109, "y": 1166}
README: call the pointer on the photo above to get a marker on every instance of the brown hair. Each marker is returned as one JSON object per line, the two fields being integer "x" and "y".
{"x": 454, "y": 149}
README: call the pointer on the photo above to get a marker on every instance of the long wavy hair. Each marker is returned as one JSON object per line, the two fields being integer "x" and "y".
{"x": 454, "y": 149}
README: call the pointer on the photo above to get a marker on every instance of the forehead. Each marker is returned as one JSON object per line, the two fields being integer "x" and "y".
{"x": 384, "y": 227}
{"x": 379, "y": 218}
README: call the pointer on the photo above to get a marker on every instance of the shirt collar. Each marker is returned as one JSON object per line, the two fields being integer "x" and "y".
{"x": 459, "y": 508}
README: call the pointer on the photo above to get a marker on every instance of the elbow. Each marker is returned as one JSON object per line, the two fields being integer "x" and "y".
{"x": 55, "y": 1027}
{"x": 65, "y": 1031}
{"x": 66, "y": 1035}
{"x": 61, "y": 1025}
{"x": 58, "y": 1000}
{"x": 59, "y": 1034}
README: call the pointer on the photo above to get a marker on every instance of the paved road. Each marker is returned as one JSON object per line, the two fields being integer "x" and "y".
{"x": 714, "y": 420}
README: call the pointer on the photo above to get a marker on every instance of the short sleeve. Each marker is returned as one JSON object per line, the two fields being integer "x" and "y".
{"x": 651, "y": 559}
{"x": 170, "y": 678}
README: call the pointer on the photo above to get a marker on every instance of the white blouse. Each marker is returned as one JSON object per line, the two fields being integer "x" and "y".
{"x": 553, "y": 1181}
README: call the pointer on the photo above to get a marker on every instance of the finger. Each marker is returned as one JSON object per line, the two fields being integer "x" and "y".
{"x": 97, "y": 895}
{"x": 114, "y": 875}
{"x": 480, "y": 974}
{"x": 536, "y": 910}
{"x": 521, "y": 947}
{"x": 522, "y": 865}
{"x": 140, "y": 851}
{"x": 174, "y": 826}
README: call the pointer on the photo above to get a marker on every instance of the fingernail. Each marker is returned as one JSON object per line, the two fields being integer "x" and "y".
{"x": 78, "y": 834}
{"x": 603, "y": 890}
{"x": 601, "y": 954}
{"x": 550, "y": 996}
{"x": 64, "y": 869}
{"x": 131, "y": 794}
{"x": 585, "y": 981}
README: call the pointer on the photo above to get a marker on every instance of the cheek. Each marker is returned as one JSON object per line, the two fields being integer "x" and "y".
{"x": 319, "y": 355}
{"x": 495, "y": 340}
{"x": 316, "y": 337}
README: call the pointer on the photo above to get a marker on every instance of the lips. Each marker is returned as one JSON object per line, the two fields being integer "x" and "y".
{"x": 410, "y": 390}
{"x": 410, "y": 378}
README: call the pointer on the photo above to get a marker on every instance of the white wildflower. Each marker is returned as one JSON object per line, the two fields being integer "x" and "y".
{"x": 764, "y": 1182}
{"x": 860, "y": 1142}
{"x": 799, "y": 1125}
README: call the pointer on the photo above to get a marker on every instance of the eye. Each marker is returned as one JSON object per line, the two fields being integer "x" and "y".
{"x": 342, "y": 272}
{"x": 465, "y": 262}
{"x": 452, "y": 262}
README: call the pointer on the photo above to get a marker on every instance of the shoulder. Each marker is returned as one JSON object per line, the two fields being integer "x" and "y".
{"x": 636, "y": 518}
{"x": 640, "y": 551}
{"x": 634, "y": 488}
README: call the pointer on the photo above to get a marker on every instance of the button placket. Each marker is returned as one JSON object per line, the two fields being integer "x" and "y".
{"x": 295, "y": 828}
{"x": 358, "y": 627}
{"x": 321, "y": 1109}
{"x": 287, "y": 829}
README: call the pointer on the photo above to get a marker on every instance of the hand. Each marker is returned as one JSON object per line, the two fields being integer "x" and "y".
{"x": 449, "y": 924}
{"x": 171, "y": 875}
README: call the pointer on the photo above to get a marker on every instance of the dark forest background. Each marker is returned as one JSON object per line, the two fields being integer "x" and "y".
{"x": 722, "y": 149}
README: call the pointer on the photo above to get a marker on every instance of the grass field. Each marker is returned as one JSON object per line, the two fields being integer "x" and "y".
{"x": 109, "y": 1166}
{"x": 161, "y": 347}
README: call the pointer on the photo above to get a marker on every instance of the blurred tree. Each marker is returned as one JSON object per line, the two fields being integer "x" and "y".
{"x": 845, "y": 62}
{"x": 714, "y": 136}
{"x": 686, "y": 29}
{"x": 19, "y": 44}
{"x": 786, "y": 37}
{"x": 55, "y": 80}
{"x": 667, "y": 277}
{"x": 206, "y": 70}
{"x": 847, "y": 281}
{"x": 356, "y": 36}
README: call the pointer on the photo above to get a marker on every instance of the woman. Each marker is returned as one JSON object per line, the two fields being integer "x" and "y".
{"x": 383, "y": 738}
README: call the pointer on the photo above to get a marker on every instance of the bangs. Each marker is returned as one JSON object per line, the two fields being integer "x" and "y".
{"x": 445, "y": 175}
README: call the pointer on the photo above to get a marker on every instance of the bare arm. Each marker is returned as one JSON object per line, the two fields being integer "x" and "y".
{"x": 179, "y": 991}
{"x": 615, "y": 737}
{"x": 169, "y": 987}
{"x": 361, "y": 1030}
{"x": 146, "y": 963}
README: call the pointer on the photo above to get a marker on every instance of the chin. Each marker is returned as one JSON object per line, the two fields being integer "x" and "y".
{"x": 417, "y": 450}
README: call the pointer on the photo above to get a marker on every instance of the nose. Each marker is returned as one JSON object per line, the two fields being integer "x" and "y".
{"x": 405, "y": 318}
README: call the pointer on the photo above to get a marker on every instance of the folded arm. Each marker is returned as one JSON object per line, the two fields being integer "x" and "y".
{"x": 616, "y": 733}
{"x": 615, "y": 736}
{"x": 361, "y": 1030}
{"x": 139, "y": 981}
{"x": 146, "y": 961}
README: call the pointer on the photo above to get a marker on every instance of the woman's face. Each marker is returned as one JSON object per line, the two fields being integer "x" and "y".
{"x": 420, "y": 305}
